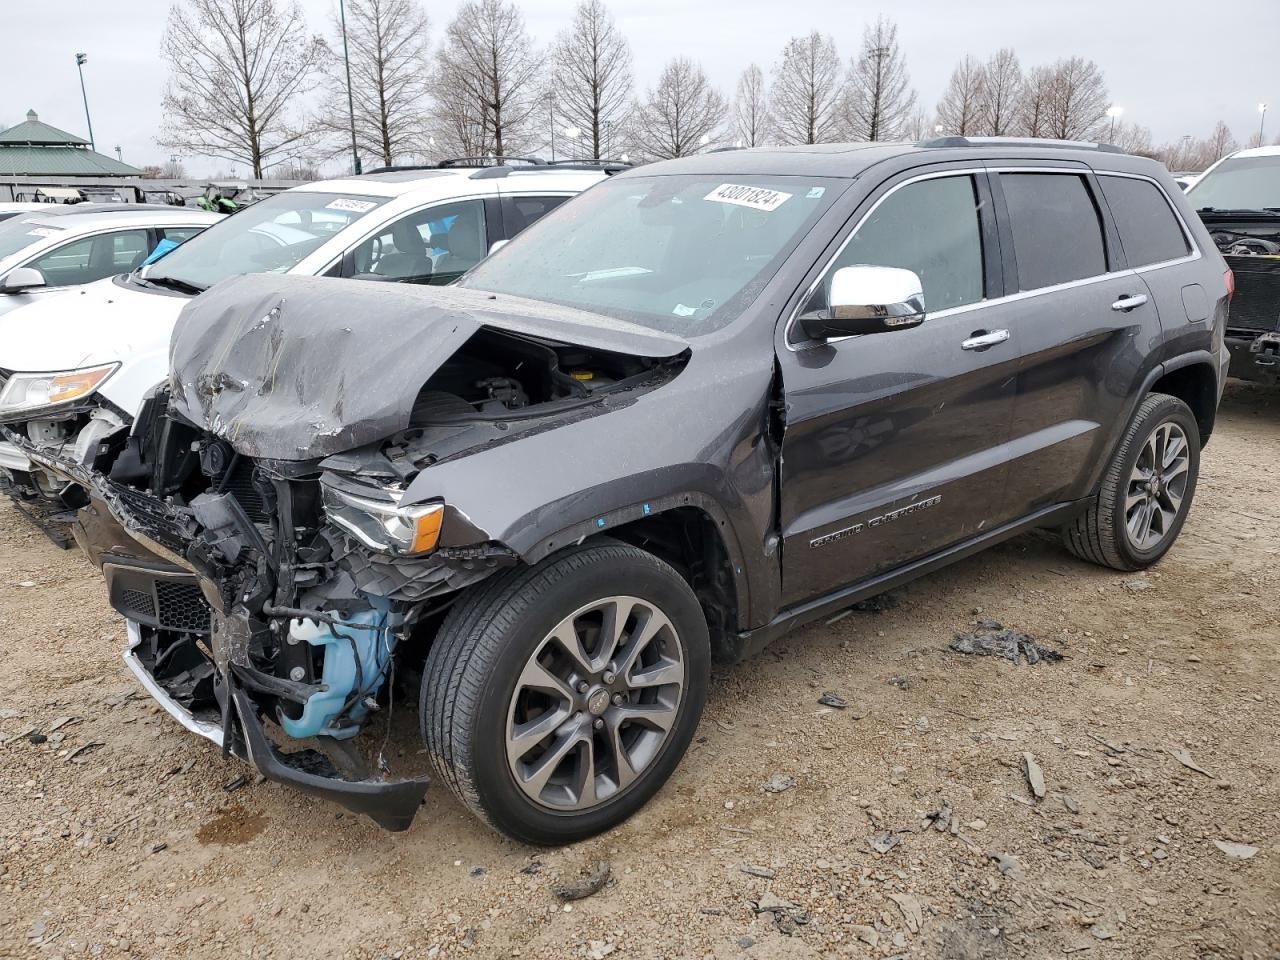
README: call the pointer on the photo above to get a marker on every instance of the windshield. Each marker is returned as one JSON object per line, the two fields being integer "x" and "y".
{"x": 271, "y": 236}
{"x": 1240, "y": 183}
{"x": 18, "y": 233}
{"x": 683, "y": 254}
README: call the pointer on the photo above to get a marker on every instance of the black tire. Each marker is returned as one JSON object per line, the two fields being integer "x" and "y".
{"x": 1099, "y": 534}
{"x": 473, "y": 666}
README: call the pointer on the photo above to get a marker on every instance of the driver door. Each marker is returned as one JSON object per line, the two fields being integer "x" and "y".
{"x": 893, "y": 446}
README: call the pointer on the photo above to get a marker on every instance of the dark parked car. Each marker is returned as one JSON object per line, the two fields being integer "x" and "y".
{"x": 1238, "y": 198}
{"x": 704, "y": 403}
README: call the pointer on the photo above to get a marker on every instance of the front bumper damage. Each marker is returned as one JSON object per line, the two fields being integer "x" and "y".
{"x": 391, "y": 804}
{"x": 202, "y": 673}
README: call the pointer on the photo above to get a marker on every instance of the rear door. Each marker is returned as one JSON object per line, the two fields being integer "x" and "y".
{"x": 892, "y": 445}
{"x": 1084, "y": 323}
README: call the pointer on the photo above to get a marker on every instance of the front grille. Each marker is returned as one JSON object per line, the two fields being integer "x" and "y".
{"x": 156, "y": 519}
{"x": 1256, "y": 304}
{"x": 136, "y": 605}
{"x": 182, "y": 607}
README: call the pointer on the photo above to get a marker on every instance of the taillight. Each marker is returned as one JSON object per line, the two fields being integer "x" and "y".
{"x": 1230, "y": 279}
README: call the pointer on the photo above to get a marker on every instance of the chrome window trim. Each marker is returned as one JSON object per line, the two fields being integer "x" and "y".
{"x": 1008, "y": 297}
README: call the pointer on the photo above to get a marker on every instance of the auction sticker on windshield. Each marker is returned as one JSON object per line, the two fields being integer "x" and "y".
{"x": 757, "y": 198}
{"x": 351, "y": 206}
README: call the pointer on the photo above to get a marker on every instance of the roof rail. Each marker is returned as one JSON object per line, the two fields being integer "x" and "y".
{"x": 457, "y": 162}
{"x": 607, "y": 165}
{"x": 490, "y": 162}
{"x": 1019, "y": 142}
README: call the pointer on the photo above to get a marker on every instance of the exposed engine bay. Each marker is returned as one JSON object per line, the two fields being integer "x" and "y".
{"x": 275, "y": 597}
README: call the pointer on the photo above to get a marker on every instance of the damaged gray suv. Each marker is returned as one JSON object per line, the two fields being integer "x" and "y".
{"x": 706, "y": 402}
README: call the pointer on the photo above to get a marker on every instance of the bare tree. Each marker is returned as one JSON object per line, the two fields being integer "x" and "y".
{"x": 1133, "y": 138}
{"x": 919, "y": 126}
{"x": 960, "y": 109}
{"x": 486, "y": 78}
{"x": 1001, "y": 94}
{"x": 387, "y": 40}
{"x": 1079, "y": 100}
{"x": 237, "y": 68}
{"x": 1037, "y": 96}
{"x": 752, "y": 120}
{"x": 806, "y": 91}
{"x": 680, "y": 115}
{"x": 878, "y": 99}
{"x": 1220, "y": 143}
{"x": 593, "y": 75}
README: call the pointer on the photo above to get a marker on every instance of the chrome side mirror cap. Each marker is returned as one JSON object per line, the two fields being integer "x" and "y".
{"x": 864, "y": 299}
{"x": 21, "y": 279}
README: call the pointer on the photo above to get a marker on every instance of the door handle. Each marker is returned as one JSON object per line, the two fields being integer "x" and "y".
{"x": 983, "y": 340}
{"x": 1126, "y": 303}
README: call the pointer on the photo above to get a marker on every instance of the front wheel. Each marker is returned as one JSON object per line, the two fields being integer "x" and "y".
{"x": 557, "y": 699}
{"x": 1146, "y": 491}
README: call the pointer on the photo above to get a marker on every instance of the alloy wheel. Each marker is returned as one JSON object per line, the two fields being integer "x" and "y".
{"x": 595, "y": 703}
{"x": 1157, "y": 487}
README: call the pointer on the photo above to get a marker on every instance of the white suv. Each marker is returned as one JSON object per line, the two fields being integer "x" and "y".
{"x": 74, "y": 370}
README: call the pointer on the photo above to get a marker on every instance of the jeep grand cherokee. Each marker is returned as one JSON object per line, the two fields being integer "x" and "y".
{"x": 702, "y": 404}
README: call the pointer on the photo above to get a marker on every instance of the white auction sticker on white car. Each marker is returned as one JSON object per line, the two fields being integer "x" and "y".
{"x": 351, "y": 206}
{"x": 757, "y": 198}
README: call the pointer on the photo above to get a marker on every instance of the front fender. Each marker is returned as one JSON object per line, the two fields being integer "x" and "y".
{"x": 688, "y": 443}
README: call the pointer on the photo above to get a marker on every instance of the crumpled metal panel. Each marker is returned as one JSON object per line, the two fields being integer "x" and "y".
{"x": 297, "y": 368}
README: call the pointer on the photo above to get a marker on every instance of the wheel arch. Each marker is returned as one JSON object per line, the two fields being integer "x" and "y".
{"x": 1193, "y": 380}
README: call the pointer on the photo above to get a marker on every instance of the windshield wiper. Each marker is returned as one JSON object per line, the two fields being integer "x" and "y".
{"x": 173, "y": 283}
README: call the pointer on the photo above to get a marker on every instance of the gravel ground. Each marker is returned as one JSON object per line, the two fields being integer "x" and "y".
{"x": 119, "y": 835}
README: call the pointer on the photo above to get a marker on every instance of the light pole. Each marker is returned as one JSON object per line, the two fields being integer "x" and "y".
{"x": 81, "y": 60}
{"x": 1262, "y": 124}
{"x": 119, "y": 155}
{"x": 1114, "y": 112}
{"x": 351, "y": 103}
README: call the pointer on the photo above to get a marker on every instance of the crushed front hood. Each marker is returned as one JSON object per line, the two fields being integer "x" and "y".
{"x": 298, "y": 368}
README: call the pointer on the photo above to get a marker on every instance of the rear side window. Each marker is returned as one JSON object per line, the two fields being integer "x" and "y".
{"x": 931, "y": 227}
{"x": 1057, "y": 236}
{"x": 1149, "y": 231}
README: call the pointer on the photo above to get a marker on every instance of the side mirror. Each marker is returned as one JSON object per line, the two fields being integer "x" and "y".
{"x": 865, "y": 299}
{"x": 21, "y": 279}
{"x": 498, "y": 245}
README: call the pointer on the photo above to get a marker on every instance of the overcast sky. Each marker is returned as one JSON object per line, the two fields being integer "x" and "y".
{"x": 1176, "y": 66}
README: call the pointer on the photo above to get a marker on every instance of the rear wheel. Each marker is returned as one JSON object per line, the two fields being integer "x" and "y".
{"x": 1146, "y": 491}
{"x": 557, "y": 699}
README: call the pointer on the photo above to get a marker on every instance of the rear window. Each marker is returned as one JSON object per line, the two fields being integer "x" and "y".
{"x": 1149, "y": 230}
{"x": 1057, "y": 236}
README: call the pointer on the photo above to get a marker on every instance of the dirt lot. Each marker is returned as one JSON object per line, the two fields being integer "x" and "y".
{"x": 119, "y": 835}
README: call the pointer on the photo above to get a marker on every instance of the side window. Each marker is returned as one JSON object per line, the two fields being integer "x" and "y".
{"x": 519, "y": 213}
{"x": 1057, "y": 235}
{"x": 93, "y": 258}
{"x": 1149, "y": 230}
{"x": 933, "y": 228}
{"x": 433, "y": 246}
{"x": 180, "y": 234}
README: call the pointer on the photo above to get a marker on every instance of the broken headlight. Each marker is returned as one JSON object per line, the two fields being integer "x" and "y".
{"x": 25, "y": 392}
{"x": 384, "y": 525}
